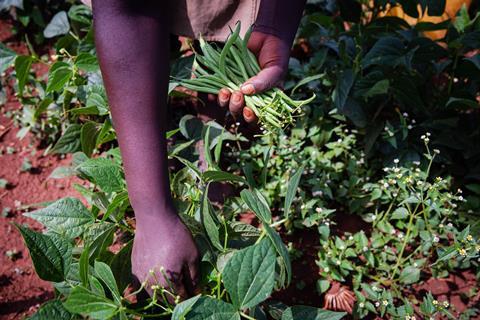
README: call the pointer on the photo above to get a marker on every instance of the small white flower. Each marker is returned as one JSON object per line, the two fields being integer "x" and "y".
{"x": 339, "y": 141}
{"x": 361, "y": 305}
{"x": 385, "y": 303}
{"x": 318, "y": 210}
{"x": 460, "y": 198}
{"x": 396, "y": 161}
{"x": 414, "y": 121}
{"x": 436, "y": 151}
{"x": 327, "y": 269}
{"x": 436, "y": 239}
{"x": 405, "y": 115}
{"x": 365, "y": 249}
{"x": 441, "y": 225}
{"x": 302, "y": 206}
{"x": 409, "y": 127}
{"x": 377, "y": 304}
{"x": 385, "y": 185}
{"x": 338, "y": 262}
{"x": 449, "y": 225}
{"x": 417, "y": 163}
{"x": 428, "y": 134}
{"x": 373, "y": 217}
{"x": 350, "y": 238}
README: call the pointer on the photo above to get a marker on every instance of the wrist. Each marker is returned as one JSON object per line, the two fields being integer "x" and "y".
{"x": 156, "y": 217}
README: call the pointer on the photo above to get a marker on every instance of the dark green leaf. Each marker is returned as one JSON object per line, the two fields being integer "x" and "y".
{"x": 409, "y": 275}
{"x": 69, "y": 142}
{"x": 52, "y": 310}
{"x": 122, "y": 267}
{"x": 209, "y": 221}
{"x": 51, "y": 254}
{"x": 249, "y": 275}
{"x": 22, "y": 70}
{"x": 183, "y": 308}
{"x": 86, "y": 302}
{"x": 292, "y": 190}
{"x": 58, "y": 77}
{"x": 281, "y": 250}
{"x": 104, "y": 273}
{"x": 104, "y": 173}
{"x": 311, "y": 313}
{"x": 88, "y": 137}
{"x": 218, "y": 176}
{"x": 257, "y": 203}
{"x": 7, "y": 57}
{"x": 206, "y": 308}
{"x": 86, "y": 62}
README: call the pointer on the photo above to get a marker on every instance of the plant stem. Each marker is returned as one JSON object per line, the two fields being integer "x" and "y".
{"x": 246, "y": 316}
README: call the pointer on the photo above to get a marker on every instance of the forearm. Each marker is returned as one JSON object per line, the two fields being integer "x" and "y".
{"x": 132, "y": 46}
{"x": 280, "y": 18}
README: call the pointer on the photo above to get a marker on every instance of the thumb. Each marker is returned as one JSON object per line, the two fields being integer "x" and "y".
{"x": 266, "y": 79}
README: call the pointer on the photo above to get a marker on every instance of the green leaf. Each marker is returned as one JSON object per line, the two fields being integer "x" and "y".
{"x": 57, "y": 26}
{"x": 409, "y": 275}
{"x": 191, "y": 127}
{"x": 399, "y": 213}
{"x": 67, "y": 216}
{"x": 86, "y": 62}
{"x": 209, "y": 222}
{"x": 292, "y": 190}
{"x": 104, "y": 273}
{"x": 218, "y": 176}
{"x": 459, "y": 102}
{"x": 7, "y": 57}
{"x": 58, "y": 77}
{"x": 206, "y": 308}
{"x": 381, "y": 87}
{"x": 386, "y": 52}
{"x": 98, "y": 238}
{"x": 69, "y": 142}
{"x": 281, "y": 250}
{"x": 122, "y": 266}
{"x": 88, "y": 137}
{"x": 249, "y": 275}
{"x": 307, "y": 80}
{"x": 311, "y": 313}
{"x": 22, "y": 70}
{"x": 342, "y": 89}
{"x": 52, "y": 310}
{"x": 51, "y": 254}
{"x": 257, "y": 203}
{"x": 84, "y": 265}
{"x": 80, "y": 13}
{"x": 183, "y": 308}
{"x": 86, "y": 302}
{"x": 104, "y": 173}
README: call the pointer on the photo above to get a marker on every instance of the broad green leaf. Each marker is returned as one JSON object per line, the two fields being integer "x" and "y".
{"x": 183, "y": 308}
{"x": 52, "y": 310}
{"x": 58, "y": 76}
{"x": 209, "y": 222}
{"x": 104, "y": 273}
{"x": 57, "y": 26}
{"x": 69, "y": 142}
{"x": 249, "y": 275}
{"x": 385, "y": 51}
{"x": 191, "y": 127}
{"x": 292, "y": 190}
{"x": 80, "y": 13}
{"x": 311, "y": 313}
{"x": 206, "y": 149}
{"x": 459, "y": 102}
{"x": 122, "y": 266}
{"x": 98, "y": 238}
{"x": 22, "y": 70}
{"x": 86, "y": 62}
{"x": 99, "y": 101}
{"x": 399, "y": 213}
{"x": 218, "y": 176}
{"x": 206, "y": 308}
{"x": 51, "y": 254}
{"x": 281, "y": 250}
{"x": 7, "y": 57}
{"x": 88, "y": 137}
{"x": 257, "y": 203}
{"x": 342, "y": 89}
{"x": 67, "y": 216}
{"x": 86, "y": 302}
{"x": 104, "y": 173}
{"x": 409, "y": 275}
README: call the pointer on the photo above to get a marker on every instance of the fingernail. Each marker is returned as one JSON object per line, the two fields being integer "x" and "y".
{"x": 237, "y": 98}
{"x": 248, "y": 88}
{"x": 247, "y": 113}
{"x": 223, "y": 96}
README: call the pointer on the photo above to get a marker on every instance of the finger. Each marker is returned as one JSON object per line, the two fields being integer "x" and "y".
{"x": 266, "y": 79}
{"x": 249, "y": 115}
{"x": 175, "y": 284}
{"x": 223, "y": 97}
{"x": 236, "y": 102}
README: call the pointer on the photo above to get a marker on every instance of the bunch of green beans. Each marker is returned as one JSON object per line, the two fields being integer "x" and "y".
{"x": 229, "y": 67}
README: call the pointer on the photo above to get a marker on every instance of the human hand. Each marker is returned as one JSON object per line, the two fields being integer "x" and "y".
{"x": 163, "y": 241}
{"x": 272, "y": 54}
